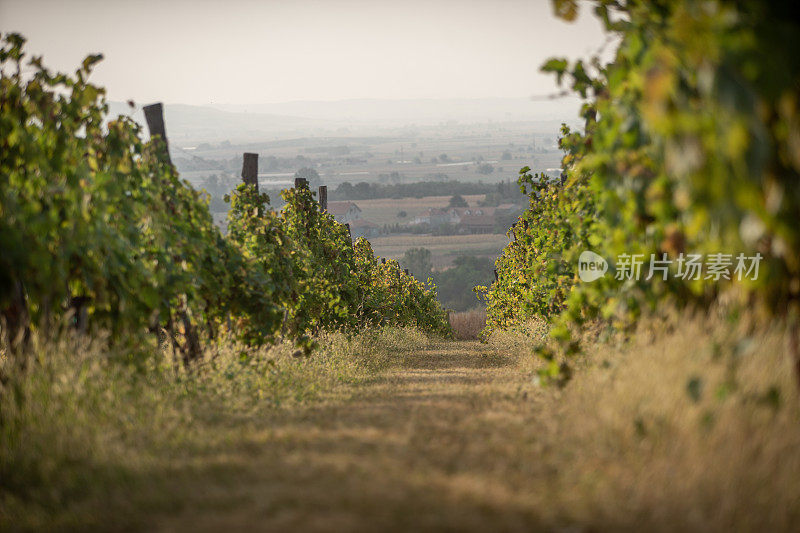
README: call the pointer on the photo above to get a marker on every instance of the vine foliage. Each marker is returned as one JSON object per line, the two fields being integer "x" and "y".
{"x": 691, "y": 144}
{"x": 98, "y": 232}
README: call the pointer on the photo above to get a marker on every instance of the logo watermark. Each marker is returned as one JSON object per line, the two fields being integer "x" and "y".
{"x": 715, "y": 267}
{"x": 591, "y": 266}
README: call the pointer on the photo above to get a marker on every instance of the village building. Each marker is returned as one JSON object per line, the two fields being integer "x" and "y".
{"x": 363, "y": 228}
{"x": 344, "y": 212}
{"x": 477, "y": 224}
{"x": 509, "y": 208}
{"x": 467, "y": 219}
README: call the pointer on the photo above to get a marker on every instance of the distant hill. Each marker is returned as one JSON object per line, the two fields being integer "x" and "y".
{"x": 191, "y": 124}
{"x": 202, "y": 123}
{"x": 422, "y": 111}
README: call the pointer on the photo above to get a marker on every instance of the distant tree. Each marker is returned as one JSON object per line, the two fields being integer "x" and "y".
{"x": 485, "y": 168}
{"x": 402, "y": 214}
{"x": 444, "y": 158}
{"x": 361, "y": 191}
{"x": 457, "y": 201}
{"x": 506, "y": 156}
{"x": 418, "y": 262}
{"x": 454, "y": 285}
{"x": 345, "y": 190}
{"x": 445, "y": 229}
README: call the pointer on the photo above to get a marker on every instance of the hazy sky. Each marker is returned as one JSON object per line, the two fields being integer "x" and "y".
{"x": 239, "y": 51}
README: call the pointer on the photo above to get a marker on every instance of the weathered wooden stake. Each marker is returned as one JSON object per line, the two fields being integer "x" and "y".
{"x": 250, "y": 170}
{"x": 15, "y": 319}
{"x": 383, "y": 260}
{"x": 495, "y": 276}
{"x": 191, "y": 347}
{"x": 300, "y": 183}
{"x": 154, "y": 115}
{"x": 348, "y": 231}
{"x": 322, "y": 197}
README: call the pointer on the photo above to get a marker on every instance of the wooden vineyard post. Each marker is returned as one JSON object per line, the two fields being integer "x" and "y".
{"x": 495, "y": 276}
{"x": 300, "y": 183}
{"x": 348, "y": 231}
{"x": 323, "y": 198}
{"x": 154, "y": 115}
{"x": 15, "y": 319}
{"x": 383, "y": 260}
{"x": 250, "y": 169}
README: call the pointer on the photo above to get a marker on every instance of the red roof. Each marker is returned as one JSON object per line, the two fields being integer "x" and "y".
{"x": 461, "y": 211}
{"x": 340, "y": 208}
{"x": 362, "y": 223}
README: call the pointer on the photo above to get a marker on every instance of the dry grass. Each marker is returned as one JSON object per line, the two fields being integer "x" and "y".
{"x": 468, "y": 324}
{"x": 691, "y": 425}
{"x": 86, "y": 442}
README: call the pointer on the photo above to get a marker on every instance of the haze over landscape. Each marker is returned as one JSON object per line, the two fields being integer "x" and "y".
{"x": 382, "y": 93}
{"x": 250, "y": 52}
{"x": 283, "y": 69}
{"x": 364, "y": 265}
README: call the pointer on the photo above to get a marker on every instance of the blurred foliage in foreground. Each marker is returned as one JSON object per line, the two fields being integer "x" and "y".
{"x": 691, "y": 145}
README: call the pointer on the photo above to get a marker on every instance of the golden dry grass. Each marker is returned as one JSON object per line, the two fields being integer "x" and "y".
{"x": 457, "y": 435}
{"x": 468, "y": 324}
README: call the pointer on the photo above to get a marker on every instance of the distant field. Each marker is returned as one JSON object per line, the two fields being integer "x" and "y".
{"x": 384, "y": 210}
{"x": 367, "y": 154}
{"x": 444, "y": 249}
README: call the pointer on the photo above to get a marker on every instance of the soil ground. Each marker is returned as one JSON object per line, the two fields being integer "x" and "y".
{"x": 440, "y": 442}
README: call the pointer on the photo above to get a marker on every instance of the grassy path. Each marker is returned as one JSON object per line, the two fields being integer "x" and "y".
{"x": 451, "y": 436}
{"x": 442, "y": 441}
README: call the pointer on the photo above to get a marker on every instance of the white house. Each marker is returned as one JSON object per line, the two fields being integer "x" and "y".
{"x": 344, "y": 212}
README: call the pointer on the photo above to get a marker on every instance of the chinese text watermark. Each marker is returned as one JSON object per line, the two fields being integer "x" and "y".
{"x": 715, "y": 267}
